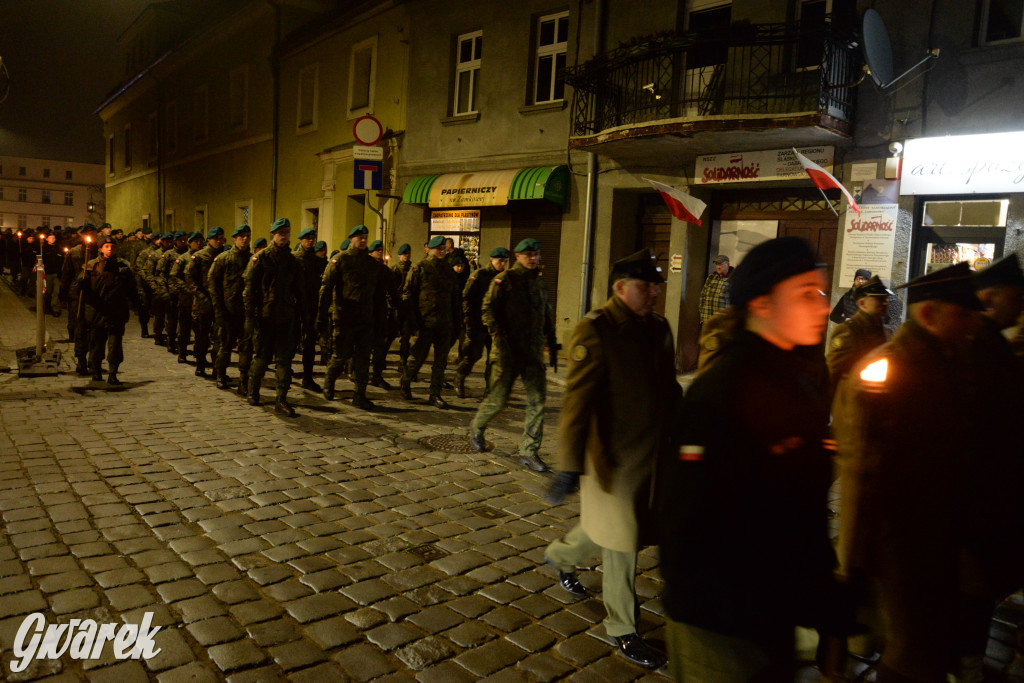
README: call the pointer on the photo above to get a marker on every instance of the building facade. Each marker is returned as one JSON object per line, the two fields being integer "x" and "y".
{"x": 48, "y": 192}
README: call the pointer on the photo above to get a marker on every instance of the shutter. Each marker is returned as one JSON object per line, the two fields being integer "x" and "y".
{"x": 540, "y": 220}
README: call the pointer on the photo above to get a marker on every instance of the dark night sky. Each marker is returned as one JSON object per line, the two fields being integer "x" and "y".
{"x": 63, "y": 58}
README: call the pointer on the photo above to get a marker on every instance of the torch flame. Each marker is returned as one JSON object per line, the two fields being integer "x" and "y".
{"x": 875, "y": 372}
{"x": 88, "y": 239}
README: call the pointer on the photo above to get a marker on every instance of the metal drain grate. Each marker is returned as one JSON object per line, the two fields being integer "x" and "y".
{"x": 487, "y": 512}
{"x": 427, "y": 551}
{"x": 450, "y": 443}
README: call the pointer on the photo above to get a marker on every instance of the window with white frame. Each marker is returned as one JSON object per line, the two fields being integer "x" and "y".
{"x": 468, "y": 47}
{"x": 171, "y": 126}
{"x": 154, "y": 136}
{"x": 201, "y": 114}
{"x": 238, "y": 97}
{"x": 362, "y": 75}
{"x": 46, "y": 197}
{"x": 550, "y": 49}
{"x": 69, "y": 199}
{"x": 22, "y": 194}
{"x": 308, "y": 98}
{"x": 128, "y": 147}
{"x": 1001, "y": 21}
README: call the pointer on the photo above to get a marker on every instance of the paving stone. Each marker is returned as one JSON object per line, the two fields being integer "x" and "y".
{"x": 321, "y": 673}
{"x": 424, "y": 652}
{"x": 368, "y": 592}
{"x": 237, "y": 655}
{"x": 255, "y": 612}
{"x": 612, "y": 668}
{"x": 197, "y": 609}
{"x": 582, "y": 649}
{"x": 460, "y": 563}
{"x": 365, "y": 618}
{"x": 445, "y": 672}
{"x": 296, "y": 655}
{"x": 22, "y": 603}
{"x": 506, "y": 619}
{"x": 325, "y": 580}
{"x": 397, "y": 607}
{"x": 390, "y": 636}
{"x": 565, "y": 624}
{"x": 471, "y": 605}
{"x": 332, "y": 633}
{"x": 470, "y": 634}
{"x": 489, "y": 658}
{"x": 233, "y": 592}
{"x": 74, "y": 601}
{"x": 533, "y": 638}
{"x": 290, "y": 589}
{"x": 181, "y": 590}
{"x": 316, "y": 607}
{"x": 119, "y": 577}
{"x": 190, "y": 673}
{"x": 214, "y": 631}
{"x": 545, "y": 667}
{"x": 174, "y": 650}
{"x": 270, "y": 574}
{"x": 435, "y": 619}
{"x": 125, "y": 672}
{"x": 364, "y": 662}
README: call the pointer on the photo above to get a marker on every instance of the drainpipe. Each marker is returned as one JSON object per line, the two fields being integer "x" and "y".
{"x": 275, "y": 70}
{"x": 590, "y": 206}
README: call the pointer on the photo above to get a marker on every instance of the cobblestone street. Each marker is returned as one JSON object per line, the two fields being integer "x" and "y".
{"x": 333, "y": 546}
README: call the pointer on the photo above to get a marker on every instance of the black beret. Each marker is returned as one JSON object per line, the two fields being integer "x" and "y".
{"x": 953, "y": 284}
{"x": 768, "y": 264}
{"x": 1005, "y": 271}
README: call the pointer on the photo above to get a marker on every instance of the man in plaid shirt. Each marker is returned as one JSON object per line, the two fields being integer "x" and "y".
{"x": 714, "y": 296}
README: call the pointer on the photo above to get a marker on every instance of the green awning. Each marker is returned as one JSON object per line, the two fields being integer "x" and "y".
{"x": 489, "y": 188}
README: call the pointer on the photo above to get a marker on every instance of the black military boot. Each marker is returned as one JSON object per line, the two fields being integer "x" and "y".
{"x": 200, "y": 370}
{"x": 81, "y": 370}
{"x": 160, "y": 340}
{"x": 112, "y": 377}
{"x": 380, "y": 383}
{"x": 282, "y": 407}
{"x": 438, "y": 402}
{"x": 329, "y": 389}
{"x": 533, "y": 462}
{"x": 477, "y": 441}
{"x": 405, "y": 389}
{"x": 309, "y": 383}
{"x": 222, "y": 382}
{"x": 254, "y": 395}
{"x": 182, "y": 357}
{"x": 360, "y": 401}
{"x": 145, "y": 330}
{"x": 97, "y": 375}
{"x": 172, "y": 347}
{"x": 460, "y": 386}
{"x": 243, "y": 385}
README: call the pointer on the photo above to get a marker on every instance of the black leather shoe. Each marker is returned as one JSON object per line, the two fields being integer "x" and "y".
{"x": 82, "y": 371}
{"x": 405, "y": 390}
{"x": 639, "y": 652}
{"x": 222, "y": 382}
{"x": 571, "y": 583}
{"x": 439, "y": 402}
{"x": 172, "y": 347}
{"x": 533, "y": 462}
{"x": 182, "y": 358}
{"x": 113, "y": 380}
{"x": 160, "y": 340}
{"x": 201, "y": 372}
{"x": 254, "y": 400}
{"x": 477, "y": 441}
{"x": 329, "y": 392}
{"x": 310, "y": 383}
{"x": 243, "y": 387}
{"x": 97, "y": 376}
{"x": 283, "y": 408}
{"x": 360, "y": 401}
{"x": 380, "y": 383}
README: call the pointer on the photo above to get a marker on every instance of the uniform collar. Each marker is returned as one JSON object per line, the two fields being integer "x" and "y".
{"x": 619, "y": 312}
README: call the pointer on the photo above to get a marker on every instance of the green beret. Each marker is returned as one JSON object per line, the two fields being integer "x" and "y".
{"x": 435, "y": 242}
{"x": 308, "y": 232}
{"x": 167, "y": 236}
{"x": 335, "y": 253}
{"x": 319, "y": 245}
{"x": 375, "y": 245}
{"x": 404, "y": 249}
{"x": 261, "y": 242}
{"x": 118, "y": 231}
{"x": 499, "y": 252}
{"x": 358, "y": 230}
{"x": 215, "y": 232}
{"x": 1005, "y": 271}
{"x": 528, "y": 244}
{"x": 178, "y": 234}
{"x": 88, "y": 227}
{"x": 195, "y": 236}
{"x": 106, "y": 225}
{"x": 241, "y": 230}
{"x": 280, "y": 223}
{"x": 345, "y": 244}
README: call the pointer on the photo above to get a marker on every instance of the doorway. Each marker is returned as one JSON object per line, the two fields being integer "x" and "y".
{"x": 654, "y": 232}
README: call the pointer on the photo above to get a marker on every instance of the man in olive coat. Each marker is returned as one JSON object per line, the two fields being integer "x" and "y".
{"x": 860, "y": 334}
{"x": 517, "y": 313}
{"x": 158, "y": 296}
{"x": 430, "y": 291}
{"x": 196, "y": 271}
{"x": 177, "y": 279}
{"x": 225, "y": 284}
{"x": 406, "y": 320}
{"x": 169, "y": 287}
{"x": 620, "y": 356}
{"x": 312, "y": 272}
{"x": 107, "y": 287}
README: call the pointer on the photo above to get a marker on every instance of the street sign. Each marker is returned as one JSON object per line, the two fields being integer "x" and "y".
{"x": 364, "y": 152}
{"x": 368, "y": 174}
{"x": 367, "y": 130}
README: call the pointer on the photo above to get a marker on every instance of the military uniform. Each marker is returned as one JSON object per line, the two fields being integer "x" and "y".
{"x": 170, "y": 289}
{"x": 273, "y": 298}
{"x": 159, "y": 299}
{"x": 312, "y": 272}
{"x": 178, "y": 284}
{"x": 70, "y": 296}
{"x": 477, "y": 337}
{"x": 139, "y": 268}
{"x": 851, "y": 341}
{"x": 347, "y": 295}
{"x": 518, "y": 315}
{"x": 107, "y": 287}
{"x": 385, "y": 309}
{"x": 715, "y": 335}
{"x": 202, "y": 303}
{"x": 406, "y": 319}
{"x": 430, "y": 292}
{"x": 225, "y": 285}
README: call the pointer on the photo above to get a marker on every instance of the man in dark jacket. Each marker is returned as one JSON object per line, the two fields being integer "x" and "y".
{"x": 742, "y": 499}
{"x": 477, "y": 337}
{"x": 225, "y": 284}
{"x": 176, "y": 278}
{"x": 517, "y": 313}
{"x": 846, "y": 307}
{"x": 169, "y": 287}
{"x": 858, "y": 336}
{"x": 406, "y": 320}
{"x": 108, "y": 287}
{"x": 312, "y": 271}
{"x": 69, "y": 295}
{"x": 385, "y": 313}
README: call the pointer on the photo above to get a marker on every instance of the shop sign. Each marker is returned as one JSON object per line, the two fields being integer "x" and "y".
{"x": 466, "y": 220}
{"x": 868, "y": 242}
{"x": 759, "y": 166}
{"x": 964, "y": 164}
{"x": 483, "y": 188}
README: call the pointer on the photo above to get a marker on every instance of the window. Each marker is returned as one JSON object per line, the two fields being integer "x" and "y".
{"x": 1, "y": 169}
{"x": 199, "y": 219}
{"x": 21, "y": 170}
{"x": 243, "y": 212}
{"x": 69, "y": 199}
{"x": 552, "y": 39}
{"x": 22, "y": 194}
{"x": 172, "y": 127}
{"x": 45, "y": 221}
{"x": 128, "y": 147}
{"x": 46, "y": 196}
{"x": 238, "y": 95}
{"x": 708, "y": 23}
{"x": 308, "y": 98}
{"x": 22, "y": 221}
{"x": 1001, "y": 20}
{"x": 169, "y": 220}
{"x": 154, "y": 136}
{"x": 362, "y": 72}
{"x": 467, "y": 71}
{"x": 67, "y": 175}
{"x": 200, "y": 114}
{"x": 110, "y": 154}
{"x": 46, "y": 173}
{"x": 813, "y": 22}
{"x": 145, "y": 222}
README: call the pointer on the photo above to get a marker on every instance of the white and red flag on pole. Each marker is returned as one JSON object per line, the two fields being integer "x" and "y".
{"x": 824, "y": 180}
{"x": 683, "y": 206}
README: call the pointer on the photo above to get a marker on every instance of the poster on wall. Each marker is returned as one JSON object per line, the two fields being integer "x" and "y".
{"x": 757, "y": 166}
{"x": 868, "y": 242}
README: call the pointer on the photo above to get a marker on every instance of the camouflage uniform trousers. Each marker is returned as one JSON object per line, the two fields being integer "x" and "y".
{"x": 382, "y": 344}
{"x": 353, "y": 343}
{"x": 245, "y": 353}
{"x": 144, "y": 303}
{"x": 309, "y": 337}
{"x": 504, "y": 373}
{"x": 172, "y": 318}
{"x": 184, "y": 324}
{"x": 109, "y": 336}
{"x": 438, "y": 337}
{"x": 158, "y": 312}
{"x": 203, "y": 324}
{"x": 473, "y": 350}
{"x": 275, "y": 341}
{"x": 232, "y": 331}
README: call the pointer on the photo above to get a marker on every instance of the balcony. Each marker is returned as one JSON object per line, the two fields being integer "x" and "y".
{"x": 747, "y": 86}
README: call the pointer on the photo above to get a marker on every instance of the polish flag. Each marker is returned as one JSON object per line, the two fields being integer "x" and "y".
{"x": 824, "y": 180}
{"x": 683, "y": 206}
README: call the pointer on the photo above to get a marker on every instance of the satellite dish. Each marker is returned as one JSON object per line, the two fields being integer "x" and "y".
{"x": 877, "y": 49}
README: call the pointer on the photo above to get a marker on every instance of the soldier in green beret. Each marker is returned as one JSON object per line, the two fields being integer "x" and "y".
{"x": 406, "y": 320}
{"x": 518, "y": 314}
{"x": 107, "y": 288}
{"x": 225, "y": 284}
{"x": 259, "y": 245}
{"x": 196, "y": 271}
{"x": 431, "y": 292}
{"x": 177, "y": 279}
{"x": 170, "y": 287}
{"x": 273, "y": 298}
{"x": 312, "y": 272}
{"x": 140, "y": 267}
{"x": 159, "y": 298}
{"x": 347, "y": 297}
{"x": 477, "y": 337}
{"x": 385, "y": 309}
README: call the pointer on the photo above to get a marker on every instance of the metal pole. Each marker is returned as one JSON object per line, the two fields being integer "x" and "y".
{"x": 40, "y": 295}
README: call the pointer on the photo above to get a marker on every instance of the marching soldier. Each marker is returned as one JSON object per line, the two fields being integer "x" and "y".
{"x": 177, "y": 278}
{"x": 312, "y": 272}
{"x": 51, "y": 269}
{"x": 140, "y": 264}
{"x": 107, "y": 287}
{"x": 517, "y": 312}
{"x": 860, "y": 334}
{"x": 225, "y": 284}
{"x": 259, "y": 245}
{"x": 406, "y": 319}
{"x": 69, "y": 294}
{"x": 347, "y": 295}
{"x": 158, "y": 298}
{"x": 385, "y": 309}
{"x": 202, "y": 304}
{"x": 477, "y": 337}
{"x": 430, "y": 291}
{"x": 273, "y": 298}
{"x": 169, "y": 287}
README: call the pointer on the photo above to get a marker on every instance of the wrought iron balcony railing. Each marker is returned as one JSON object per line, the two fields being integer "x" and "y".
{"x": 743, "y": 70}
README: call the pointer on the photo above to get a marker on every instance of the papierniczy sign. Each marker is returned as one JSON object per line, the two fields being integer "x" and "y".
{"x": 762, "y": 165}
{"x": 81, "y": 639}
{"x": 964, "y": 164}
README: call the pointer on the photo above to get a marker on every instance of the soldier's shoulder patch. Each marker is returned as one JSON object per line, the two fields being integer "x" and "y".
{"x": 710, "y": 342}
{"x": 254, "y": 258}
{"x": 837, "y": 342}
{"x": 579, "y": 353}
{"x": 496, "y": 280}
{"x": 334, "y": 260}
